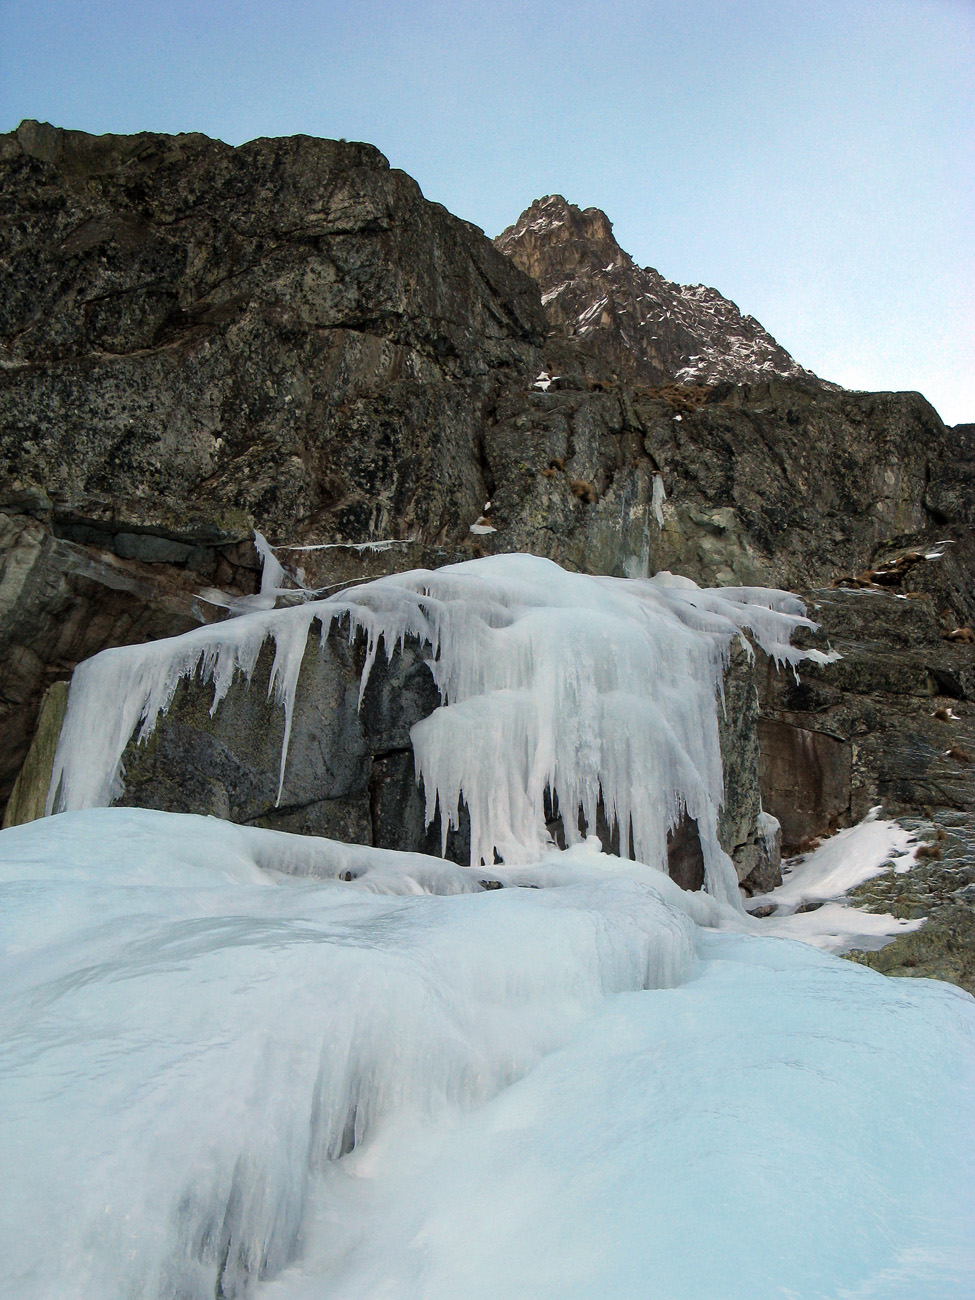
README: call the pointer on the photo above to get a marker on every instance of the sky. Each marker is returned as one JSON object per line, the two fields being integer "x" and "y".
{"x": 814, "y": 160}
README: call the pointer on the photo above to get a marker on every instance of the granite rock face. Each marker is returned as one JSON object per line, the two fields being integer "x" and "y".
{"x": 191, "y": 332}
{"x": 780, "y": 484}
{"x": 61, "y": 602}
{"x": 892, "y": 722}
{"x": 349, "y": 773}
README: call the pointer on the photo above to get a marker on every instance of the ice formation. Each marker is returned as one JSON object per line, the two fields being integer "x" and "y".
{"x": 276, "y": 581}
{"x": 658, "y": 499}
{"x": 221, "y": 1079}
{"x": 588, "y": 688}
{"x": 768, "y": 827}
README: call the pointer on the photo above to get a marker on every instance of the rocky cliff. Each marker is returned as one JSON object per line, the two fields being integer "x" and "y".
{"x": 197, "y": 340}
{"x": 194, "y": 336}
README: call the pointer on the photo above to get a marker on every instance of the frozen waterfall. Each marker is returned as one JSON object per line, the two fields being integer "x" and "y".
{"x": 590, "y": 688}
{"x": 245, "y": 1065}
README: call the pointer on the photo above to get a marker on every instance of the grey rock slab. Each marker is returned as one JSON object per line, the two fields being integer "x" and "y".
{"x": 229, "y": 763}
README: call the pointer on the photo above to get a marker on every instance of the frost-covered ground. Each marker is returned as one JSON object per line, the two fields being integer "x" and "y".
{"x": 811, "y": 903}
{"x": 392, "y": 1086}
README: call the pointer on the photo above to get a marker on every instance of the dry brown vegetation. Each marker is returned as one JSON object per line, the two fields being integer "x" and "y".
{"x": 584, "y": 491}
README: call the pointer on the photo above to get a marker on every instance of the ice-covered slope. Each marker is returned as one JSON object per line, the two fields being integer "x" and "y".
{"x": 222, "y": 1080}
{"x": 642, "y": 325}
{"x": 240, "y": 1063}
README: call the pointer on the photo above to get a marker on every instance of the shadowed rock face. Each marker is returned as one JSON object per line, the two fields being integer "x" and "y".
{"x": 878, "y": 725}
{"x": 685, "y": 857}
{"x": 60, "y": 603}
{"x": 349, "y": 773}
{"x": 191, "y": 331}
{"x": 805, "y": 779}
{"x": 777, "y": 484}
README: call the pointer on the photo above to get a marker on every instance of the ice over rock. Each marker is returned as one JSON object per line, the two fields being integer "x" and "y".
{"x": 553, "y": 684}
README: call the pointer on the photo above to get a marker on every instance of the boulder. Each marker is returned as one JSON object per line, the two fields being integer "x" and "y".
{"x": 349, "y": 771}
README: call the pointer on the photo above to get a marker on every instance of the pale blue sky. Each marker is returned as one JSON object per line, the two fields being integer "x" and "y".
{"x": 814, "y": 160}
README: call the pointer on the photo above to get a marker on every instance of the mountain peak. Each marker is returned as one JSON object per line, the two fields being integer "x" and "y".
{"x": 583, "y": 236}
{"x": 639, "y": 323}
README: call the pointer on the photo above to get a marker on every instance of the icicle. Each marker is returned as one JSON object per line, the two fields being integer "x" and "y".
{"x": 272, "y": 571}
{"x": 275, "y": 581}
{"x": 768, "y": 827}
{"x": 658, "y": 499}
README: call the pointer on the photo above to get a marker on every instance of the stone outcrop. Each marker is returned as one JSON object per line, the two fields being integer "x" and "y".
{"x": 191, "y": 332}
{"x": 61, "y": 602}
{"x": 892, "y": 722}
{"x": 939, "y": 887}
{"x": 780, "y": 484}
{"x": 349, "y": 773}
{"x": 28, "y": 799}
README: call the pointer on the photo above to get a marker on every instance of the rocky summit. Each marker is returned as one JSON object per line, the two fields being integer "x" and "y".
{"x": 199, "y": 341}
{"x": 642, "y": 326}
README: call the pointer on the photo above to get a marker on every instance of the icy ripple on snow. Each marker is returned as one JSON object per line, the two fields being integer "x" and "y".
{"x": 219, "y": 1080}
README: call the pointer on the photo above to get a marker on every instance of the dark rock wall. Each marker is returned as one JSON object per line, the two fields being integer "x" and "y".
{"x": 777, "y": 484}
{"x": 805, "y": 777}
{"x": 190, "y": 330}
{"x": 349, "y": 774}
{"x": 61, "y": 603}
{"x": 877, "y": 726}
